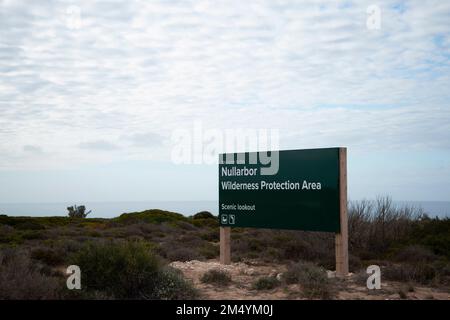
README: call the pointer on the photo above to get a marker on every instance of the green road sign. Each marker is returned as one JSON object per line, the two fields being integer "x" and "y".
{"x": 299, "y": 192}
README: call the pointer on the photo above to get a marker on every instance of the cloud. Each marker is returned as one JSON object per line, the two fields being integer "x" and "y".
{"x": 146, "y": 140}
{"x": 32, "y": 149}
{"x": 136, "y": 70}
{"x": 99, "y": 145}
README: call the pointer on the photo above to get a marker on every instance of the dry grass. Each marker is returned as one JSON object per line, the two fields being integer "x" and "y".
{"x": 21, "y": 279}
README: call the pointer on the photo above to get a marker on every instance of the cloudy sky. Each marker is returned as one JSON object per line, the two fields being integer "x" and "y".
{"x": 91, "y": 92}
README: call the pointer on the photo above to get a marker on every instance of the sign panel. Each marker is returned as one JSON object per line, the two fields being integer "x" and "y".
{"x": 291, "y": 189}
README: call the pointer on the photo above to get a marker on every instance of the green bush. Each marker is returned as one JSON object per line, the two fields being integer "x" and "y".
{"x": 203, "y": 215}
{"x": 312, "y": 278}
{"x": 217, "y": 277}
{"x": 433, "y": 234}
{"x": 266, "y": 283}
{"x": 151, "y": 216}
{"x": 128, "y": 271}
{"x": 205, "y": 219}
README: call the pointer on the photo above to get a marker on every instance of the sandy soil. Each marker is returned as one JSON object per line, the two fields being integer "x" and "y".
{"x": 244, "y": 274}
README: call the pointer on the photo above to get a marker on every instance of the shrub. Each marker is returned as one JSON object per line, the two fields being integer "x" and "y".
{"x": 217, "y": 277}
{"x": 68, "y": 246}
{"x": 209, "y": 251}
{"x": 433, "y": 234}
{"x": 211, "y": 234}
{"x": 354, "y": 262}
{"x": 127, "y": 231}
{"x": 415, "y": 253}
{"x": 32, "y": 234}
{"x": 205, "y": 219}
{"x": 34, "y": 222}
{"x": 127, "y": 271}
{"x": 266, "y": 283}
{"x": 211, "y": 223}
{"x": 312, "y": 278}
{"x": 174, "y": 252}
{"x": 151, "y": 216}
{"x": 29, "y": 225}
{"x": 402, "y": 294}
{"x": 203, "y": 215}
{"x": 7, "y": 234}
{"x": 272, "y": 254}
{"x": 184, "y": 226}
{"x": 171, "y": 285}
{"x": 48, "y": 256}
{"x": 22, "y": 280}
{"x": 419, "y": 272}
{"x": 375, "y": 226}
{"x": 297, "y": 249}
{"x": 276, "y": 245}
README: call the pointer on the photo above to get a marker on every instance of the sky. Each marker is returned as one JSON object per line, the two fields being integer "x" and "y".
{"x": 91, "y": 92}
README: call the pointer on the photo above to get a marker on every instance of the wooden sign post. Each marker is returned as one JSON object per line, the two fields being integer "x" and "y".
{"x": 341, "y": 241}
{"x": 225, "y": 250}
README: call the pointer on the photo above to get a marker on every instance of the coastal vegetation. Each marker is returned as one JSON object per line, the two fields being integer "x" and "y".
{"x": 128, "y": 257}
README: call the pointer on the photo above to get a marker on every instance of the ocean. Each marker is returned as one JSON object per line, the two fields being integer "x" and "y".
{"x": 114, "y": 209}
{"x": 107, "y": 209}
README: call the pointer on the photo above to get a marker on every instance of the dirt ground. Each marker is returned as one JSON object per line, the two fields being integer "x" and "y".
{"x": 244, "y": 274}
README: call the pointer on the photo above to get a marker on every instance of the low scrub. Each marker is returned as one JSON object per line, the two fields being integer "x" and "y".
{"x": 312, "y": 278}
{"x": 205, "y": 219}
{"x": 129, "y": 271}
{"x": 151, "y": 216}
{"x": 21, "y": 279}
{"x": 266, "y": 283}
{"x": 171, "y": 285}
{"x": 204, "y": 215}
{"x": 379, "y": 227}
{"x": 415, "y": 253}
{"x": 433, "y": 234}
{"x": 177, "y": 253}
{"x": 217, "y": 277}
{"x": 420, "y": 272}
{"x": 49, "y": 256}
